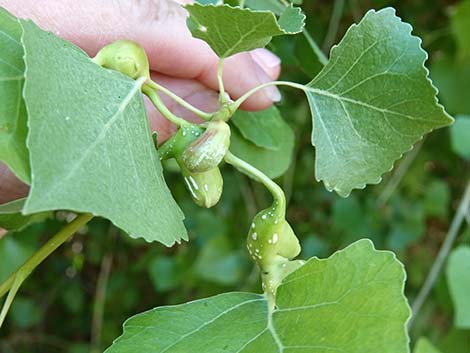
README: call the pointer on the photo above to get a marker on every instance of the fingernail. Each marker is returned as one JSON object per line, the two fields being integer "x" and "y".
{"x": 265, "y": 58}
{"x": 271, "y": 92}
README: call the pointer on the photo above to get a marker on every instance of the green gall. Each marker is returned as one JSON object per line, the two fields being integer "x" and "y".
{"x": 179, "y": 142}
{"x": 272, "y": 244}
{"x": 205, "y": 188}
{"x": 207, "y": 151}
{"x": 125, "y": 56}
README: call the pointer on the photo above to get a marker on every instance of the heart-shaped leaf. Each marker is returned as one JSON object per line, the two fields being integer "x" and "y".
{"x": 371, "y": 102}
{"x": 351, "y": 302}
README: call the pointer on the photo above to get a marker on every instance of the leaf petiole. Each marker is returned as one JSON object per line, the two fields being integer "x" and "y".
{"x": 179, "y": 100}
{"x": 220, "y": 71}
{"x": 161, "y": 107}
{"x": 235, "y": 105}
{"x": 255, "y": 174}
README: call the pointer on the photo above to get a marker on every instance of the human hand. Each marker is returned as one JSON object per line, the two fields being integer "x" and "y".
{"x": 185, "y": 65}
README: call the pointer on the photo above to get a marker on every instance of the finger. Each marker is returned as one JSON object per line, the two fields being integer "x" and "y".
{"x": 192, "y": 92}
{"x": 11, "y": 188}
{"x": 160, "y": 26}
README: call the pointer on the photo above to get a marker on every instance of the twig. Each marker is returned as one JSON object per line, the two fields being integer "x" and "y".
{"x": 436, "y": 268}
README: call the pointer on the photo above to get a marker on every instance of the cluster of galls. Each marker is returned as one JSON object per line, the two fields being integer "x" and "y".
{"x": 198, "y": 150}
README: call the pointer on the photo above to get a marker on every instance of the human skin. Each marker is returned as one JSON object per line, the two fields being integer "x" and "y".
{"x": 185, "y": 65}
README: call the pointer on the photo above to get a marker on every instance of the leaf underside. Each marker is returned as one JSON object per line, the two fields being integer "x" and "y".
{"x": 371, "y": 102}
{"x": 13, "y": 127}
{"x": 90, "y": 143}
{"x": 351, "y": 302}
{"x": 230, "y": 30}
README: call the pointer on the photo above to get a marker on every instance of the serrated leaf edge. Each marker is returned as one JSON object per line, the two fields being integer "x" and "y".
{"x": 376, "y": 181}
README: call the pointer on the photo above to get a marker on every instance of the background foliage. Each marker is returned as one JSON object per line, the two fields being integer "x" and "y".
{"x": 77, "y": 300}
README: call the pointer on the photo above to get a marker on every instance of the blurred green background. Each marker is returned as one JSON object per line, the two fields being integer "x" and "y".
{"x": 77, "y": 299}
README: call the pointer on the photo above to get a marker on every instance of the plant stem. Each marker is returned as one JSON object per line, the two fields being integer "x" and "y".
{"x": 463, "y": 209}
{"x": 19, "y": 279}
{"x": 241, "y": 3}
{"x": 39, "y": 256}
{"x": 333, "y": 26}
{"x": 220, "y": 72}
{"x": 98, "y": 306}
{"x": 161, "y": 107}
{"x": 179, "y": 100}
{"x": 259, "y": 176}
{"x": 316, "y": 49}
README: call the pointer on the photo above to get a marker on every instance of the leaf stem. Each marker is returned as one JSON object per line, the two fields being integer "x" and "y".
{"x": 433, "y": 275}
{"x": 220, "y": 73}
{"x": 235, "y": 105}
{"x": 179, "y": 100}
{"x": 52, "y": 244}
{"x": 18, "y": 280}
{"x": 161, "y": 107}
{"x": 259, "y": 176}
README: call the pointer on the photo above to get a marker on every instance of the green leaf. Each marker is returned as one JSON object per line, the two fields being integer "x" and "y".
{"x": 460, "y": 24}
{"x": 424, "y": 346}
{"x": 90, "y": 144}
{"x": 458, "y": 278}
{"x": 13, "y": 118}
{"x": 231, "y": 30}
{"x": 264, "y": 128}
{"x": 12, "y": 219}
{"x": 352, "y": 302}
{"x": 371, "y": 102}
{"x": 273, "y": 163}
{"x": 460, "y": 136}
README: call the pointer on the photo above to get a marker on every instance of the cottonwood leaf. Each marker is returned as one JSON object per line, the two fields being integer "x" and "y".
{"x": 460, "y": 136}
{"x": 90, "y": 144}
{"x": 424, "y": 346}
{"x": 11, "y": 217}
{"x": 229, "y": 30}
{"x": 458, "y": 278}
{"x": 371, "y": 102}
{"x": 272, "y": 162}
{"x": 13, "y": 127}
{"x": 263, "y": 128}
{"x": 351, "y": 302}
